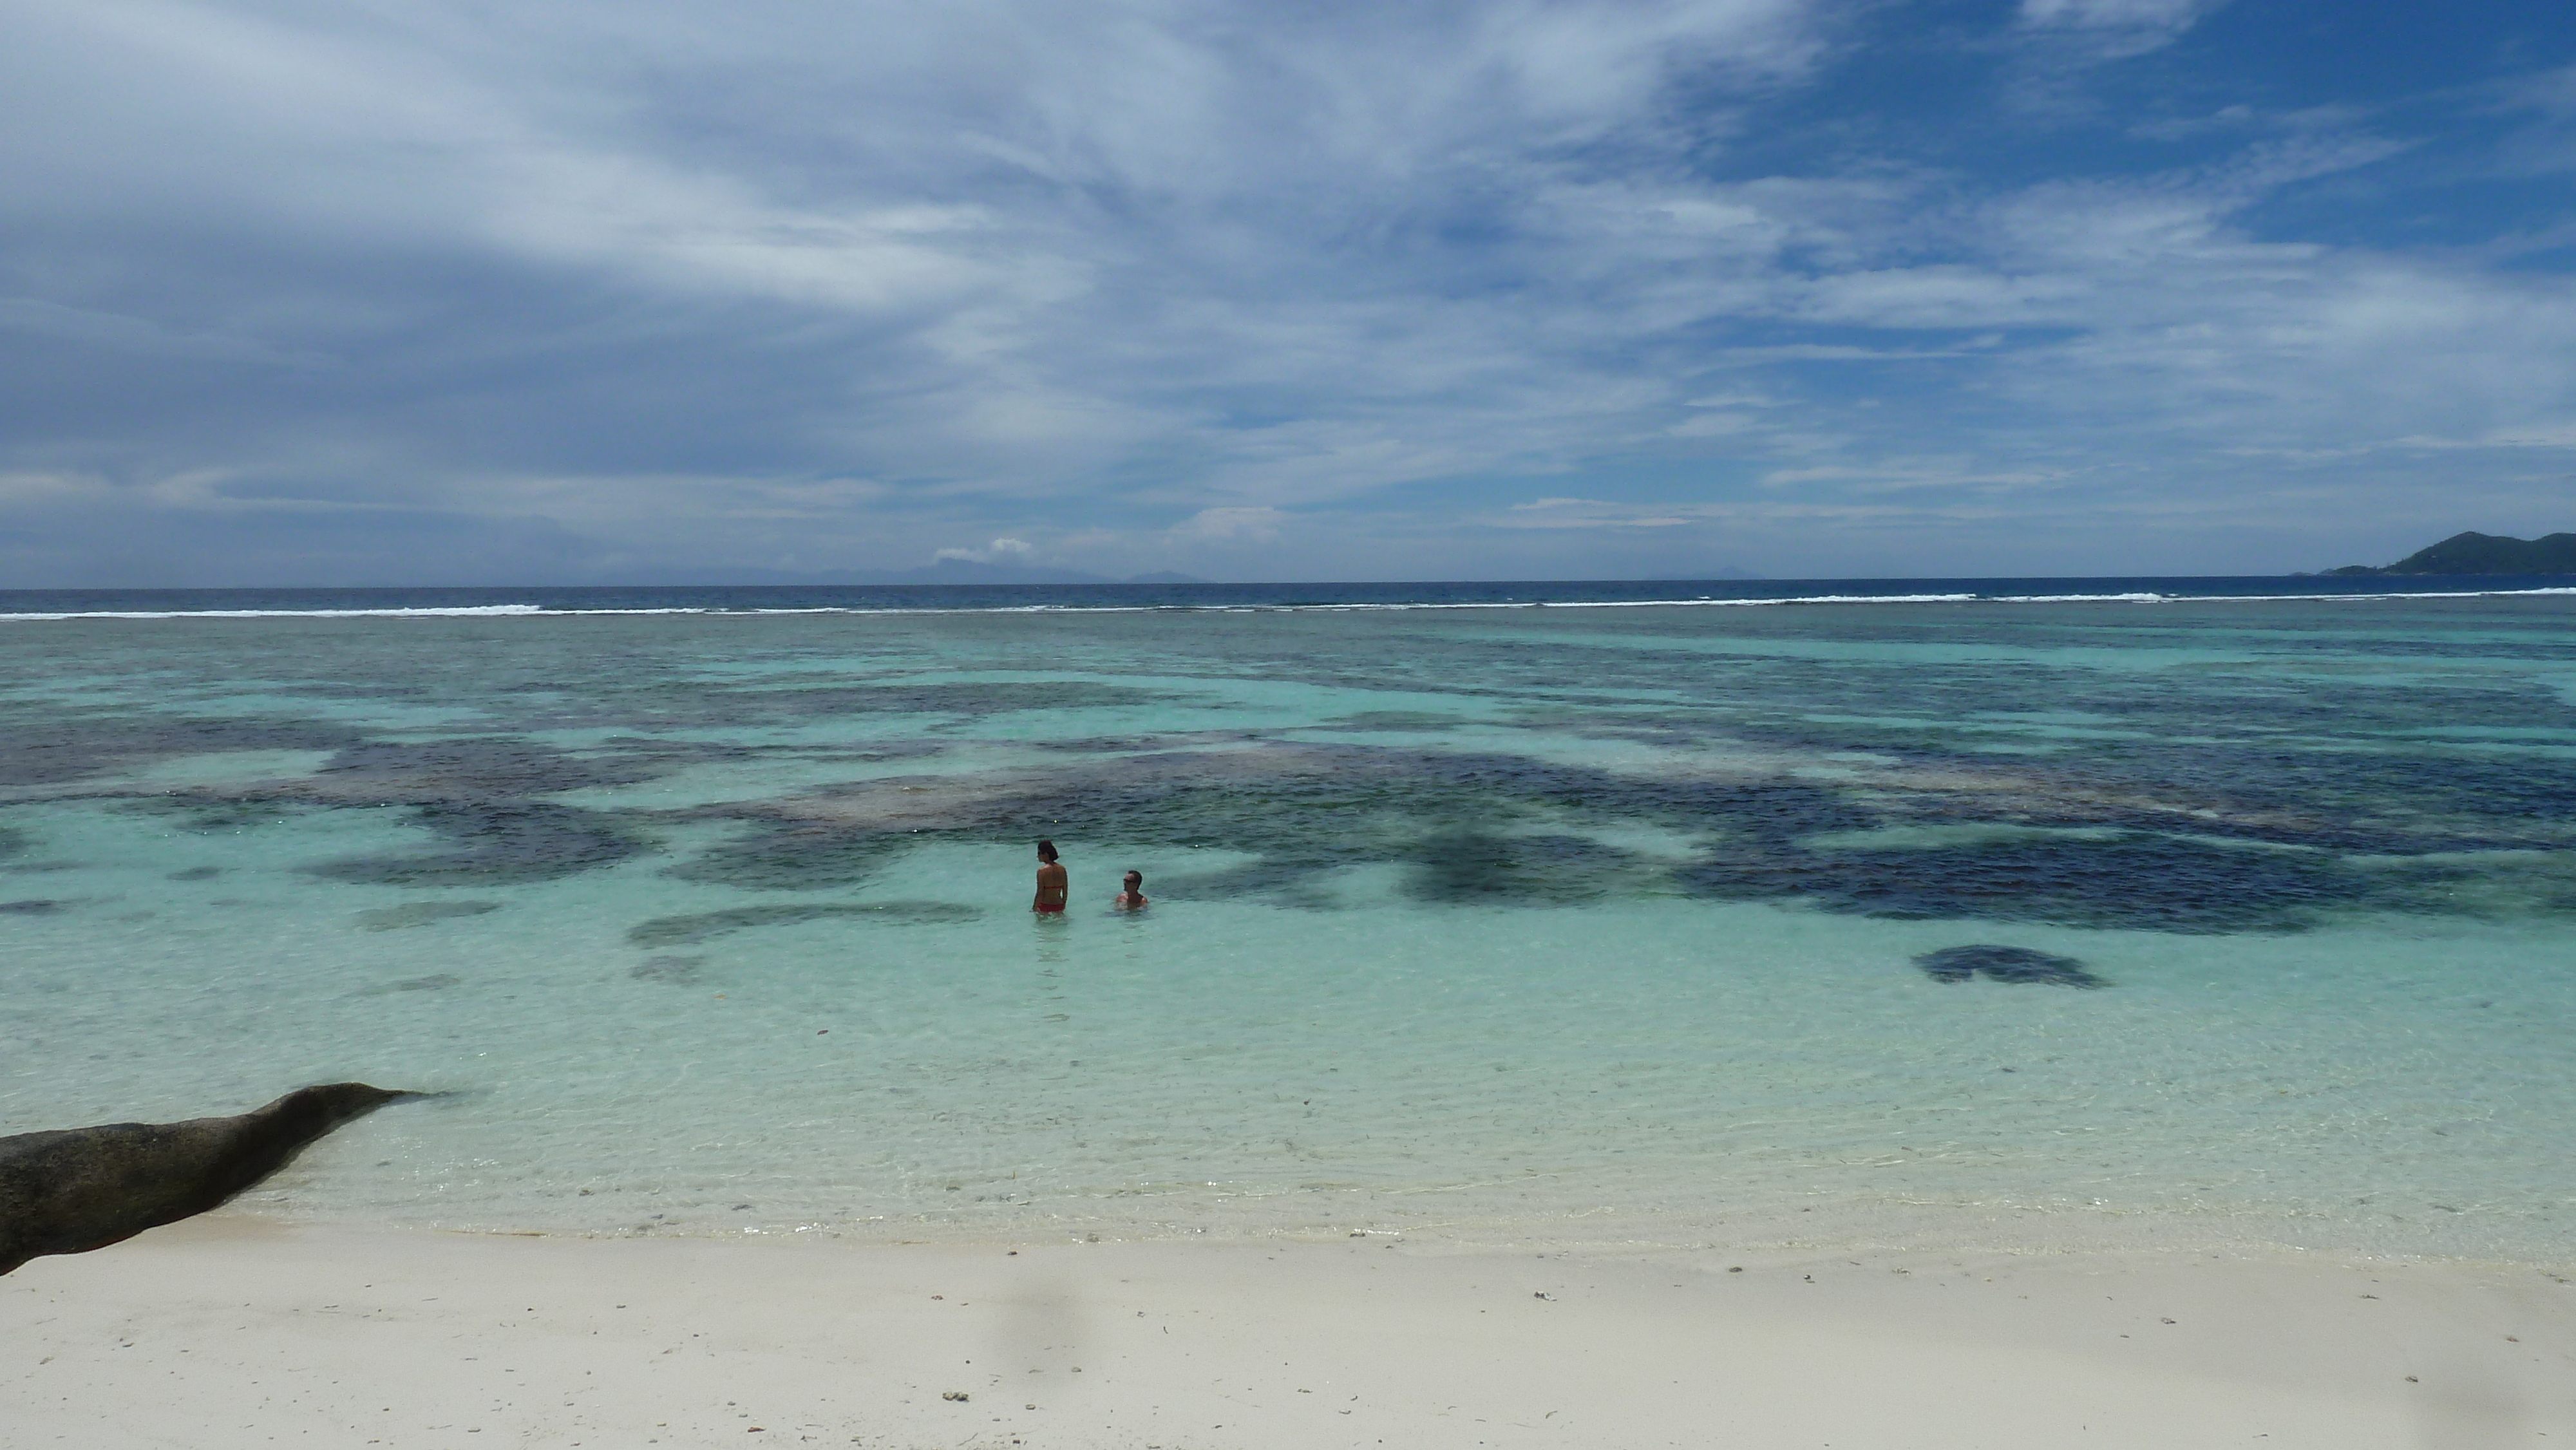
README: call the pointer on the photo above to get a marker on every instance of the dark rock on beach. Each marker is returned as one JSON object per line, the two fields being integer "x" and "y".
{"x": 68, "y": 1191}
{"x": 2005, "y": 964}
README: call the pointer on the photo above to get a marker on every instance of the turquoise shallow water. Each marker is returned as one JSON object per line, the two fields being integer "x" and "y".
{"x": 1578, "y": 925}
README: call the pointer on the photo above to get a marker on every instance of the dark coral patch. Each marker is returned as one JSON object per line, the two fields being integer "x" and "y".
{"x": 2133, "y": 881}
{"x": 1462, "y": 822}
{"x": 2005, "y": 964}
{"x": 1336, "y": 807}
{"x": 962, "y": 697}
{"x": 1395, "y": 721}
{"x": 476, "y": 767}
{"x": 499, "y": 843}
{"x": 421, "y": 913}
{"x": 2166, "y": 765}
{"x": 803, "y": 857}
{"x": 1770, "y": 812}
{"x": 54, "y": 750}
{"x": 673, "y": 931}
{"x": 1471, "y": 869}
{"x": 1285, "y": 878}
{"x": 210, "y": 814}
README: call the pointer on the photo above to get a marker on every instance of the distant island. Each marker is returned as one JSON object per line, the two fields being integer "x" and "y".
{"x": 2475, "y": 553}
{"x": 974, "y": 571}
{"x": 945, "y": 571}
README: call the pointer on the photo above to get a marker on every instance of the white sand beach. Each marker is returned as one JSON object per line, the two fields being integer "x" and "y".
{"x": 235, "y": 1330}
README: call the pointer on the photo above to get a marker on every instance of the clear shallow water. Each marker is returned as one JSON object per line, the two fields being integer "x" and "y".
{"x": 1569, "y": 924}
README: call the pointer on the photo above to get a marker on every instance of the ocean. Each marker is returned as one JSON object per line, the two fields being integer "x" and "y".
{"x": 2026, "y": 913}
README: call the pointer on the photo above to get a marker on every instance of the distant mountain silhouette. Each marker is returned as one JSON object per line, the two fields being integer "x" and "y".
{"x": 2475, "y": 553}
{"x": 970, "y": 571}
{"x": 946, "y": 571}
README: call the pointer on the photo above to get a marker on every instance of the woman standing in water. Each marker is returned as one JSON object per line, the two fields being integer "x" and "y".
{"x": 1051, "y": 881}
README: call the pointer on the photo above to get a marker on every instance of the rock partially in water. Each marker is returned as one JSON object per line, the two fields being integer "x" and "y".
{"x": 2005, "y": 964}
{"x": 73, "y": 1190}
{"x": 420, "y": 913}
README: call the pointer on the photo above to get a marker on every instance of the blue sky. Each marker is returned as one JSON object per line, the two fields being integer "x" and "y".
{"x": 412, "y": 291}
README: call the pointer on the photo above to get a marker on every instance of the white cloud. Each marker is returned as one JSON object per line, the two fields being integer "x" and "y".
{"x": 32, "y": 488}
{"x": 1593, "y": 513}
{"x": 2107, "y": 30}
{"x": 1230, "y": 524}
{"x": 2116, "y": 14}
{"x": 1713, "y": 425}
{"x": 808, "y": 277}
{"x": 1836, "y": 352}
{"x": 1000, "y": 551}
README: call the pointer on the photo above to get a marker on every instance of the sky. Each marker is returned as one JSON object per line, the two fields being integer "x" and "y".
{"x": 331, "y": 292}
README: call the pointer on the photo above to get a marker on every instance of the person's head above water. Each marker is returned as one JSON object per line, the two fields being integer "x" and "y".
{"x": 1135, "y": 881}
{"x": 1046, "y": 850}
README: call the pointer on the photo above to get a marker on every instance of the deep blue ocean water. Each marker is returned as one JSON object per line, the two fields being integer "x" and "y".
{"x": 736, "y": 598}
{"x": 2017, "y": 912}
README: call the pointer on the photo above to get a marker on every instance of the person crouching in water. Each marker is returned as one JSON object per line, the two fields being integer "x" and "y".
{"x": 1051, "y": 881}
{"x": 1133, "y": 898}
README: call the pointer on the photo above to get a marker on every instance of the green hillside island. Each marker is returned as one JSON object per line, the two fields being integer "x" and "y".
{"x": 2474, "y": 553}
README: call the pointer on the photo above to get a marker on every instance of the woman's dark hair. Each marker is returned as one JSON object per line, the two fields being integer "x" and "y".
{"x": 1046, "y": 849}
